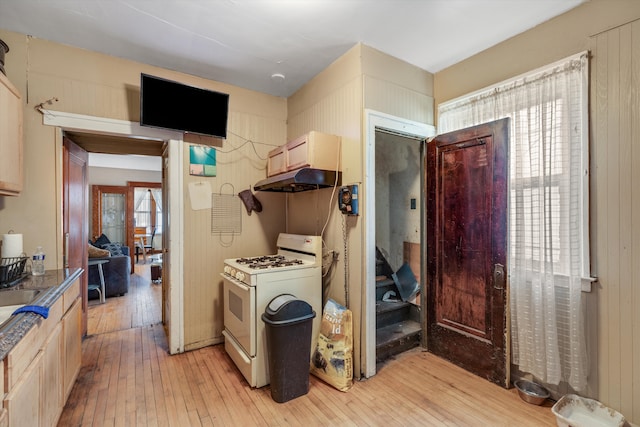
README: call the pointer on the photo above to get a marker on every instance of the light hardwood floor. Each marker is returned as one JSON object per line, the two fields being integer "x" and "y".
{"x": 139, "y": 307}
{"x": 129, "y": 379}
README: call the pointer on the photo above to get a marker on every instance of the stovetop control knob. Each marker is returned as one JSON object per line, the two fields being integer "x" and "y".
{"x": 240, "y": 275}
{"x": 227, "y": 269}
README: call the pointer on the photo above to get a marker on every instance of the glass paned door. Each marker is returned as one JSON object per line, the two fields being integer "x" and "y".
{"x": 109, "y": 207}
{"x": 113, "y": 216}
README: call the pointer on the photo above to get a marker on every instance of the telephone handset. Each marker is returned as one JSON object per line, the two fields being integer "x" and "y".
{"x": 348, "y": 199}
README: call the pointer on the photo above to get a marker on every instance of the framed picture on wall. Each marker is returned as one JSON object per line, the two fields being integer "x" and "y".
{"x": 202, "y": 160}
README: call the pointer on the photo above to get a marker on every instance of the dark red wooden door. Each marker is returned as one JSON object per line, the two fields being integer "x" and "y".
{"x": 466, "y": 208}
{"x": 75, "y": 216}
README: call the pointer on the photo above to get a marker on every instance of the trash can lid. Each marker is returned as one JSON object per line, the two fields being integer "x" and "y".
{"x": 285, "y": 307}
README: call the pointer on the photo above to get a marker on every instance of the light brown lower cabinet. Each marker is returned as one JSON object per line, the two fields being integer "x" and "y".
{"x": 41, "y": 369}
{"x": 72, "y": 348}
{"x": 51, "y": 386}
{"x": 23, "y": 400}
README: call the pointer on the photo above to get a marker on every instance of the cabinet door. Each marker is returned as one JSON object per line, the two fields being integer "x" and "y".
{"x": 51, "y": 389}
{"x": 72, "y": 347}
{"x": 277, "y": 162}
{"x": 23, "y": 401}
{"x": 10, "y": 138}
{"x": 298, "y": 153}
{"x": 316, "y": 150}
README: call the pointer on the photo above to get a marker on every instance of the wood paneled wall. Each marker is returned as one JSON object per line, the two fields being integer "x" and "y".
{"x": 334, "y": 102}
{"x": 238, "y": 168}
{"x": 615, "y": 197}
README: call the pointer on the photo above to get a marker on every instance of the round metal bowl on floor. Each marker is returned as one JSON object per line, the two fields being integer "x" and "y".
{"x": 531, "y": 392}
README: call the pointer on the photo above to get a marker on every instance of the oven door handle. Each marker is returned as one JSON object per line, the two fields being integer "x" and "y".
{"x": 236, "y": 282}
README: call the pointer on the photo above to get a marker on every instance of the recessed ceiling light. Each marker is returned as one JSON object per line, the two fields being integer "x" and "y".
{"x": 277, "y": 76}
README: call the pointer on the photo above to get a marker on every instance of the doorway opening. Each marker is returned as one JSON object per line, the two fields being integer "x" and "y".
{"x": 125, "y": 194}
{"x": 125, "y": 135}
{"x": 398, "y": 206}
{"x": 383, "y": 133}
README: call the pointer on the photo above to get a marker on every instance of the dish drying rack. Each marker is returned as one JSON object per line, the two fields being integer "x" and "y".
{"x": 11, "y": 270}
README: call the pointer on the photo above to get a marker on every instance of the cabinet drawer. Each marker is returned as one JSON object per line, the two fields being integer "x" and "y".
{"x": 26, "y": 350}
{"x": 55, "y": 314}
{"x": 70, "y": 295}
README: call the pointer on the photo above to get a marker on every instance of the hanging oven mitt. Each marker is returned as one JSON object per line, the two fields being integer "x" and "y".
{"x": 250, "y": 201}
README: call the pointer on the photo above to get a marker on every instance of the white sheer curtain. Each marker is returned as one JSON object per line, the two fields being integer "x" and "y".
{"x": 548, "y": 211}
{"x": 156, "y": 193}
{"x": 139, "y": 196}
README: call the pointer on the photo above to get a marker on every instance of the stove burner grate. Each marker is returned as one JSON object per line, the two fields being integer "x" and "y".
{"x": 268, "y": 261}
{"x": 287, "y": 263}
{"x": 260, "y": 259}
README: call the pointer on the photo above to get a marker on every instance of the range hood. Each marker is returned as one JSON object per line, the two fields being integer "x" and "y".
{"x": 304, "y": 179}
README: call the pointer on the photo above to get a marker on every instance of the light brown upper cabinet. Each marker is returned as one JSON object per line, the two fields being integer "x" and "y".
{"x": 11, "y": 168}
{"x": 311, "y": 150}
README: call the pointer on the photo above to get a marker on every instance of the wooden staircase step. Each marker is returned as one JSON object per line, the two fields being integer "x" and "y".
{"x": 388, "y": 313}
{"x": 397, "y": 338}
{"x": 384, "y": 284}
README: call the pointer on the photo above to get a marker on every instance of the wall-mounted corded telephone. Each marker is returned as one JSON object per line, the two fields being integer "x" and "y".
{"x": 348, "y": 199}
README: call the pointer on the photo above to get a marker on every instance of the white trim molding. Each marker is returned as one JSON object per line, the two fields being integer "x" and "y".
{"x": 105, "y": 126}
{"x": 377, "y": 120}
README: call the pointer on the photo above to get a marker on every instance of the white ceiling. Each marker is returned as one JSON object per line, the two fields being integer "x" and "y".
{"x": 245, "y": 42}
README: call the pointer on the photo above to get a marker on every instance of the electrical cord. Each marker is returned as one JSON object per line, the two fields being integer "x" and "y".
{"x": 246, "y": 141}
{"x": 333, "y": 192}
{"x": 346, "y": 262}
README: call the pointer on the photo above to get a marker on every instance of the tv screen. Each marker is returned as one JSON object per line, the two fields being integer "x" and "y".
{"x": 176, "y": 106}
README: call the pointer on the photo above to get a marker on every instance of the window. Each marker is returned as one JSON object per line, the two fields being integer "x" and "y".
{"x": 539, "y": 186}
{"x": 148, "y": 209}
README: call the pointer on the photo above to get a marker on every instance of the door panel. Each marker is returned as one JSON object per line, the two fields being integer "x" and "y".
{"x": 75, "y": 214}
{"x": 166, "y": 254}
{"x": 466, "y": 240}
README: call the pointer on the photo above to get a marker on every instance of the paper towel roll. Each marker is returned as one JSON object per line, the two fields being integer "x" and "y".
{"x": 11, "y": 245}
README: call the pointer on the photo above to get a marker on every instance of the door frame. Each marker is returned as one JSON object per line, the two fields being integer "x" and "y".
{"x": 377, "y": 120}
{"x": 96, "y": 192}
{"x": 64, "y": 121}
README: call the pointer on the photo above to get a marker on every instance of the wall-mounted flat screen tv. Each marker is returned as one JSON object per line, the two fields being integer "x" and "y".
{"x": 171, "y": 105}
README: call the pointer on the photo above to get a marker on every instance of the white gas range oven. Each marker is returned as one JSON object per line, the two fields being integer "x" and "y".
{"x": 251, "y": 283}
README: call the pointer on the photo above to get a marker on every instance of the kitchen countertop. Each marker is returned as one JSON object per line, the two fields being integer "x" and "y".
{"x": 55, "y": 282}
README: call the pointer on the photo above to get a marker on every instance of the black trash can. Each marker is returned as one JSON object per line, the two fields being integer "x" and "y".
{"x": 288, "y": 325}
